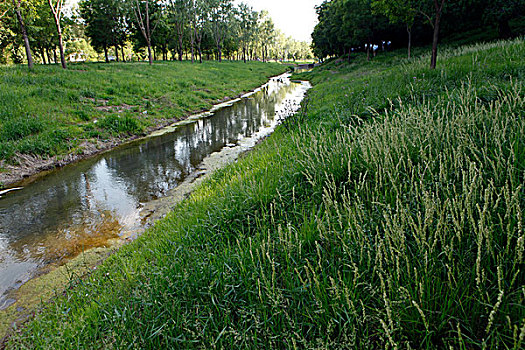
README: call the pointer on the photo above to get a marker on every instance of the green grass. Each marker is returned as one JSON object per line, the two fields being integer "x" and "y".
{"x": 50, "y": 112}
{"x": 388, "y": 214}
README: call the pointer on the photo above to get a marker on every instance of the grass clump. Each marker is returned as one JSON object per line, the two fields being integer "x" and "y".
{"x": 118, "y": 125}
{"x": 394, "y": 223}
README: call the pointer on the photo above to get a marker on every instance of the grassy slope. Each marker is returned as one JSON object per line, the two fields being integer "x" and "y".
{"x": 50, "y": 111}
{"x": 352, "y": 226}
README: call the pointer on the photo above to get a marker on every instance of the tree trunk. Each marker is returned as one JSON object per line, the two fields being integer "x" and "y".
{"x": 116, "y": 53}
{"x": 192, "y": 50}
{"x": 56, "y": 14}
{"x": 368, "y": 52}
{"x": 409, "y": 30}
{"x": 61, "y": 47}
{"x": 27, "y": 46}
{"x": 43, "y": 54}
{"x": 48, "y": 56}
{"x": 150, "y": 55}
{"x": 123, "y": 56}
{"x": 106, "y": 54}
{"x": 435, "y": 40}
{"x": 55, "y": 58}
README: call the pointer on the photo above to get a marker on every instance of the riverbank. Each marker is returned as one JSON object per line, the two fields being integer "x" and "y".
{"x": 50, "y": 117}
{"x": 388, "y": 213}
{"x": 254, "y": 116}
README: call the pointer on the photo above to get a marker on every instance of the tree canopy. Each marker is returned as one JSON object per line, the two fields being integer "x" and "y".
{"x": 144, "y": 29}
{"x": 356, "y": 24}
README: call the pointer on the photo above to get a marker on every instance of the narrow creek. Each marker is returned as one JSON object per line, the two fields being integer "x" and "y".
{"x": 89, "y": 204}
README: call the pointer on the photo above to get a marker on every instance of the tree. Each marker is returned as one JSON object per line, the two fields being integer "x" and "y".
{"x": 106, "y": 24}
{"x": 180, "y": 14}
{"x": 144, "y": 15}
{"x": 399, "y": 11}
{"x": 220, "y": 17}
{"x": 199, "y": 23}
{"x": 42, "y": 30}
{"x": 247, "y": 26}
{"x": 17, "y": 5}
{"x": 57, "y": 7}
{"x": 358, "y": 24}
{"x": 266, "y": 33}
{"x": 501, "y": 12}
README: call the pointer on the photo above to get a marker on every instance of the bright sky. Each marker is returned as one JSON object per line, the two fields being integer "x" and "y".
{"x": 296, "y": 18}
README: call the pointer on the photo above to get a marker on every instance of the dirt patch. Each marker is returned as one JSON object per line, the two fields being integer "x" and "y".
{"x": 27, "y": 166}
{"x": 115, "y": 109}
{"x": 202, "y": 89}
{"x": 102, "y": 101}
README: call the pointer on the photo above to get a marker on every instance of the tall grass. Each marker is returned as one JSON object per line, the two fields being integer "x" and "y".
{"x": 397, "y": 223}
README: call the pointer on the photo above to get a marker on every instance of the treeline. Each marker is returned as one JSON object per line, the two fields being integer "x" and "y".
{"x": 349, "y": 25}
{"x": 141, "y": 29}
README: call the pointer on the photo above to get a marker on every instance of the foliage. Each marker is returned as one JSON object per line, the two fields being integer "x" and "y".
{"x": 176, "y": 27}
{"x": 106, "y": 23}
{"x": 346, "y": 24}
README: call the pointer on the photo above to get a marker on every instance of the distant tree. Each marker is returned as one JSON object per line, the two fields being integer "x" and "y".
{"x": 199, "y": 23}
{"x": 57, "y": 7}
{"x": 42, "y": 31}
{"x": 17, "y": 6}
{"x": 163, "y": 35}
{"x": 266, "y": 33}
{"x": 180, "y": 15}
{"x": 322, "y": 35}
{"x": 247, "y": 27}
{"x": 400, "y": 11}
{"x": 106, "y": 24}
{"x": 147, "y": 15}
{"x": 220, "y": 12}
{"x": 358, "y": 24}
{"x": 501, "y": 12}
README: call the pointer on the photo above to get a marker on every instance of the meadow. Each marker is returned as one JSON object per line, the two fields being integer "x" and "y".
{"x": 388, "y": 213}
{"x": 53, "y": 112}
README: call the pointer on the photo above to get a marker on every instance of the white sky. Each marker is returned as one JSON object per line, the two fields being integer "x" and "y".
{"x": 296, "y": 18}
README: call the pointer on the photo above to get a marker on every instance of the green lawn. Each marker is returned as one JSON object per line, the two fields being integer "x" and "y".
{"x": 50, "y": 111}
{"x": 387, "y": 214}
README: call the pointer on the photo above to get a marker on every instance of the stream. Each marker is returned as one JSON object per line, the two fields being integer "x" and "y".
{"x": 88, "y": 204}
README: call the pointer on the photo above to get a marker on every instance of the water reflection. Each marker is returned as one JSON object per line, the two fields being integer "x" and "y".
{"x": 83, "y": 205}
